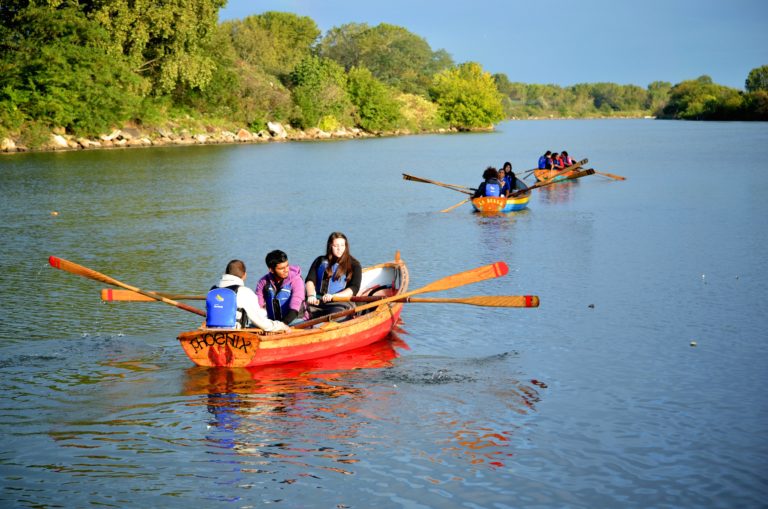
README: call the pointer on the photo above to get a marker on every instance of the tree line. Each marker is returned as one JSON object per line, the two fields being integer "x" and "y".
{"x": 88, "y": 66}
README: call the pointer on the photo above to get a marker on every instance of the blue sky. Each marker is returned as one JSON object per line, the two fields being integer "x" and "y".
{"x": 566, "y": 41}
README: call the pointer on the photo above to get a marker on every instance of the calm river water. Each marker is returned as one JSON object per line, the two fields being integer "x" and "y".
{"x": 639, "y": 382}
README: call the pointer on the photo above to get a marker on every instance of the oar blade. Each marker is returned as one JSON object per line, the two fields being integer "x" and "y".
{"x": 118, "y": 295}
{"x": 74, "y": 268}
{"x": 483, "y": 273}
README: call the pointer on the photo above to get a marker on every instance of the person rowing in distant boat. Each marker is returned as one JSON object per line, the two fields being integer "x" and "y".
{"x": 231, "y": 304}
{"x": 281, "y": 290}
{"x": 335, "y": 274}
{"x": 567, "y": 160}
{"x": 545, "y": 160}
{"x": 557, "y": 162}
{"x": 490, "y": 185}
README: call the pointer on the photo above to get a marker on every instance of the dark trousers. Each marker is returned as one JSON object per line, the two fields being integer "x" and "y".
{"x": 328, "y": 308}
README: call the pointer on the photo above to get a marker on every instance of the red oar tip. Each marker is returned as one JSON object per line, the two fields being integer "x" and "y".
{"x": 501, "y": 269}
{"x": 54, "y": 261}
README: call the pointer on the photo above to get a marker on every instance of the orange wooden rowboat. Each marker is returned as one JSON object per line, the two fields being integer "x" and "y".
{"x": 543, "y": 175}
{"x": 242, "y": 348}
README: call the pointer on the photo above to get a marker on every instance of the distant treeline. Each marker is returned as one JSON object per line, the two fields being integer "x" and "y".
{"x": 88, "y": 66}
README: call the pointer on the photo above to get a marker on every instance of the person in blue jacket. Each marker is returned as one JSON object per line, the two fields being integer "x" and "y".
{"x": 507, "y": 178}
{"x": 281, "y": 290}
{"x": 490, "y": 185}
{"x": 544, "y": 161}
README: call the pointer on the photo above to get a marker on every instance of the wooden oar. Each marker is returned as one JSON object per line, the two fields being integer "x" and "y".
{"x": 117, "y": 295}
{"x": 498, "y": 301}
{"x": 462, "y": 202}
{"x": 507, "y": 301}
{"x": 491, "y": 271}
{"x": 610, "y": 175}
{"x": 74, "y": 268}
{"x": 453, "y": 187}
{"x": 575, "y": 176}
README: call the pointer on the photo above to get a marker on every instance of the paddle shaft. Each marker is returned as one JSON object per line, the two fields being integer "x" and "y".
{"x": 511, "y": 301}
{"x": 491, "y": 271}
{"x": 610, "y": 175}
{"x": 499, "y": 301}
{"x": 575, "y": 176}
{"x": 453, "y": 187}
{"x": 462, "y": 202}
{"x": 74, "y": 268}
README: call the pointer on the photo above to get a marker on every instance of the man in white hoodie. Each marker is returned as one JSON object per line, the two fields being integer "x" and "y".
{"x": 249, "y": 313}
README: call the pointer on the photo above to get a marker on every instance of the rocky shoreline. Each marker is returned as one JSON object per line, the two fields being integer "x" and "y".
{"x": 130, "y": 137}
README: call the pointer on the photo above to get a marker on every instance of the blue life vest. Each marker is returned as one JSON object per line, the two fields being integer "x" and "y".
{"x": 333, "y": 286}
{"x": 221, "y": 307}
{"x": 492, "y": 189}
{"x": 277, "y": 303}
{"x": 542, "y": 162}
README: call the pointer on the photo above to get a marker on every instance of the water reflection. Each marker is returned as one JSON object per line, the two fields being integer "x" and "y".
{"x": 463, "y": 437}
{"x": 506, "y": 216}
{"x": 562, "y": 192}
{"x": 325, "y": 375}
{"x": 294, "y": 414}
{"x": 486, "y": 443}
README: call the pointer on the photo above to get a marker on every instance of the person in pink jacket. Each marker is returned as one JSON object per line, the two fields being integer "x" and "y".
{"x": 281, "y": 290}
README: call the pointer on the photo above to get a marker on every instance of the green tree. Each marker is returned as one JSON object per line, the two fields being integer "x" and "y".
{"x": 467, "y": 97}
{"x": 756, "y": 107}
{"x": 56, "y": 70}
{"x": 394, "y": 55}
{"x": 376, "y": 108}
{"x": 606, "y": 96}
{"x": 163, "y": 41}
{"x": 274, "y": 42}
{"x": 701, "y": 99}
{"x": 342, "y": 44}
{"x": 319, "y": 91}
{"x": 757, "y": 79}
{"x": 658, "y": 96}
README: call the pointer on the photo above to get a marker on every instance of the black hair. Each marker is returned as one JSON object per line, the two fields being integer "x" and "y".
{"x": 275, "y": 258}
{"x": 490, "y": 173}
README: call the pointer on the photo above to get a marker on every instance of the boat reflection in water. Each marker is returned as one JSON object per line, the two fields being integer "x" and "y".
{"x": 303, "y": 413}
{"x": 325, "y": 374}
{"x": 562, "y": 192}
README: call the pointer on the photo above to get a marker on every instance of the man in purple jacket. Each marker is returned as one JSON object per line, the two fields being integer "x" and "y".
{"x": 281, "y": 291}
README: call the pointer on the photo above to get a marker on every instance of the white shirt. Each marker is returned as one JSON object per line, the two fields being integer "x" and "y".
{"x": 247, "y": 301}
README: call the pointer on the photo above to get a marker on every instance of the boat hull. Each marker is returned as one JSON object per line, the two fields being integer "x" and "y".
{"x": 553, "y": 175}
{"x": 493, "y": 204}
{"x": 244, "y": 348}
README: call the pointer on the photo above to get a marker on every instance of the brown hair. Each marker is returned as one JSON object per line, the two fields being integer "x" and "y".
{"x": 345, "y": 262}
{"x": 236, "y": 268}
